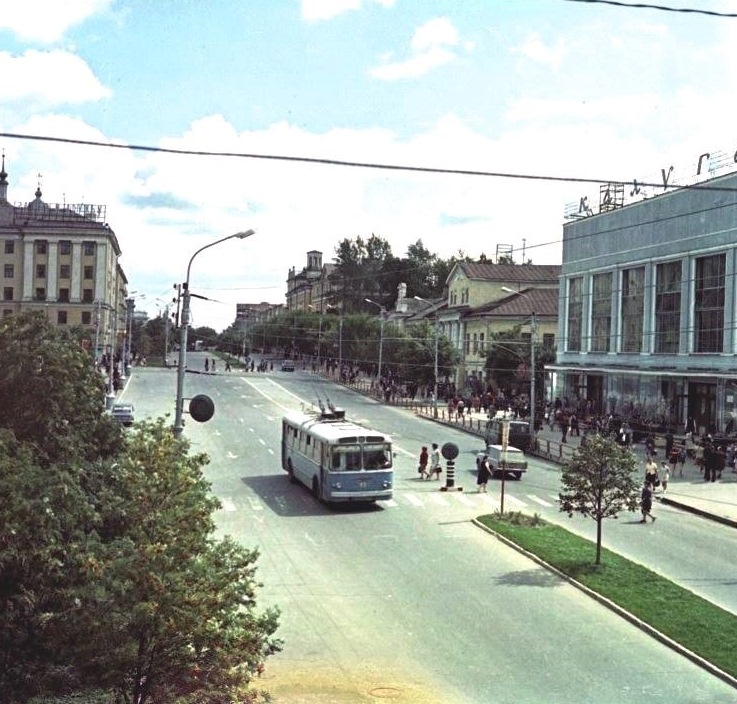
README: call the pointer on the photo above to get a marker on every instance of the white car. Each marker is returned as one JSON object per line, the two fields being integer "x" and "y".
{"x": 124, "y": 413}
{"x": 510, "y": 461}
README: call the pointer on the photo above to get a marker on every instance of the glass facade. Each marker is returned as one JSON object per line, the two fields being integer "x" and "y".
{"x": 601, "y": 312}
{"x": 709, "y": 304}
{"x": 668, "y": 308}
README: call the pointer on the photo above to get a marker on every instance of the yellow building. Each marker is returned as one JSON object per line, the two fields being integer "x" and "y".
{"x": 62, "y": 259}
{"x": 485, "y": 298}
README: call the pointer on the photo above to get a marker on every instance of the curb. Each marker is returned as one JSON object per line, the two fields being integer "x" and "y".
{"x": 697, "y": 511}
{"x": 634, "y": 620}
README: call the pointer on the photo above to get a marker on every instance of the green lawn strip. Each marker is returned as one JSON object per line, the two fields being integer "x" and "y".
{"x": 695, "y": 623}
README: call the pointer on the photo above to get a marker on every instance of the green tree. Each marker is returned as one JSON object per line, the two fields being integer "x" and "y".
{"x": 165, "y": 611}
{"x": 599, "y": 482}
{"x": 52, "y": 396}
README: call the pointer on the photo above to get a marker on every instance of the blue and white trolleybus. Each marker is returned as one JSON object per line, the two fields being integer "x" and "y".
{"x": 337, "y": 459}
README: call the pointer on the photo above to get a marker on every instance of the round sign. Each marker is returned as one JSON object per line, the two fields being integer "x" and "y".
{"x": 449, "y": 450}
{"x": 201, "y": 408}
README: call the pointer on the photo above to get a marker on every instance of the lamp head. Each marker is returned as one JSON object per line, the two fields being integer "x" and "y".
{"x": 243, "y": 235}
{"x": 506, "y": 289}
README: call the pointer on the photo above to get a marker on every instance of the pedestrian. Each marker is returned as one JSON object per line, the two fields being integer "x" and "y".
{"x": 651, "y": 472}
{"x": 422, "y": 467}
{"x": 646, "y": 503}
{"x": 435, "y": 467}
{"x": 227, "y": 365}
{"x": 672, "y": 457}
{"x": 207, "y": 364}
{"x": 669, "y": 443}
{"x": 484, "y": 473}
{"x": 665, "y": 476}
{"x": 682, "y": 454}
{"x": 574, "y": 425}
{"x": 563, "y": 426}
{"x": 213, "y": 366}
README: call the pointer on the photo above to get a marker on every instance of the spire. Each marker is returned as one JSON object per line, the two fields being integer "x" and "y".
{"x": 3, "y": 183}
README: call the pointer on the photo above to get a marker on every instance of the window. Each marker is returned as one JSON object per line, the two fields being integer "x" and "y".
{"x": 575, "y": 311}
{"x": 482, "y": 344}
{"x": 633, "y": 307}
{"x": 41, "y": 246}
{"x": 9, "y": 247}
{"x": 88, "y": 249}
{"x": 548, "y": 340}
{"x": 601, "y": 312}
{"x": 87, "y": 295}
{"x": 65, "y": 247}
{"x": 40, "y": 294}
{"x": 63, "y": 295}
{"x": 89, "y": 272}
{"x": 9, "y": 271}
{"x": 40, "y": 271}
{"x": 61, "y": 317}
{"x": 8, "y": 293}
{"x": 709, "y": 304}
{"x": 86, "y": 317}
{"x": 64, "y": 271}
{"x": 667, "y": 308}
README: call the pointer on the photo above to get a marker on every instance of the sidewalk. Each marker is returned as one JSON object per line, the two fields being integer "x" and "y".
{"x": 716, "y": 501}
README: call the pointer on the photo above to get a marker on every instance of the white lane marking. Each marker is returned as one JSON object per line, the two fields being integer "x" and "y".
{"x": 438, "y": 499}
{"x": 228, "y": 505}
{"x": 391, "y": 503}
{"x": 231, "y": 456}
{"x": 514, "y": 501}
{"x": 540, "y": 501}
{"x": 256, "y": 505}
{"x": 413, "y": 499}
{"x": 466, "y": 500}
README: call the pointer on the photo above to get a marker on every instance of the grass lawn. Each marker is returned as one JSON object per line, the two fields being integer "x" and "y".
{"x": 695, "y": 623}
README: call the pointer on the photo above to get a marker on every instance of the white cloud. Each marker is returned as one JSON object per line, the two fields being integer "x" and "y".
{"x": 317, "y": 10}
{"x": 48, "y": 78}
{"x": 534, "y": 49}
{"x": 432, "y": 46}
{"x": 46, "y": 21}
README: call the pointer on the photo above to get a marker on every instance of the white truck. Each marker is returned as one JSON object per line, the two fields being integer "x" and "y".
{"x": 510, "y": 461}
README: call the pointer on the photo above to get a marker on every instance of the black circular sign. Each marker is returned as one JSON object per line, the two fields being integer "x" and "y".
{"x": 449, "y": 450}
{"x": 201, "y": 408}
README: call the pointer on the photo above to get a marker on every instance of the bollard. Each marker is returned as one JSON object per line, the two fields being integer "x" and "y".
{"x": 450, "y": 452}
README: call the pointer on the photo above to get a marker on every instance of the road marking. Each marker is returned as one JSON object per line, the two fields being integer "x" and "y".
{"x": 467, "y": 500}
{"x": 439, "y": 499}
{"x": 231, "y": 456}
{"x": 256, "y": 505}
{"x": 414, "y": 500}
{"x": 228, "y": 505}
{"x": 391, "y": 503}
{"x": 540, "y": 501}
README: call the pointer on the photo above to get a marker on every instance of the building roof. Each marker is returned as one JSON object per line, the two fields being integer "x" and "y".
{"x": 541, "y": 301}
{"x": 524, "y": 273}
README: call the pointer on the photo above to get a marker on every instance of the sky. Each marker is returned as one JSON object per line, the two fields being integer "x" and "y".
{"x": 534, "y": 97}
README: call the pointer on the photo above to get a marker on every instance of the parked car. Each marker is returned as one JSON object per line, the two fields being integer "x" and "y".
{"x": 519, "y": 433}
{"x": 124, "y": 413}
{"x": 510, "y": 461}
{"x": 287, "y": 365}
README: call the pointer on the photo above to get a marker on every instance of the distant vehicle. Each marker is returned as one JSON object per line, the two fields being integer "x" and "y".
{"x": 124, "y": 413}
{"x": 337, "y": 459}
{"x": 510, "y": 461}
{"x": 287, "y": 365}
{"x": 519, "y": 433}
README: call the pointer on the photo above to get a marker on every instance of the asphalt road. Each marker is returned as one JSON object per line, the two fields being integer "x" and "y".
{"x": 407, "y": 600}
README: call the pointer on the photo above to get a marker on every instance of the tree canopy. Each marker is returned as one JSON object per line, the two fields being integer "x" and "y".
{"x": 599, "y": 482}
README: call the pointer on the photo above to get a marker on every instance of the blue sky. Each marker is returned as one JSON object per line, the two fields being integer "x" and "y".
{"x": 544, "y": 87}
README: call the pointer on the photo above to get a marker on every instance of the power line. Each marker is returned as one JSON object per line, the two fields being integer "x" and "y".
{"x": 664, "y": 8}
{"x": 357, "y": 164}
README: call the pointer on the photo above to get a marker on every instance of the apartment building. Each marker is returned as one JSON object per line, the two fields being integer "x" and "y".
{"x": 62, "y": 259}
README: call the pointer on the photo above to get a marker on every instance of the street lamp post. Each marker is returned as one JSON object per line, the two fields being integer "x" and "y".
{"x": 182, "y": 365}
{"x": 435, "y": 370}
{"x": 382, "y": 311}
{"x": 533, "y": 330}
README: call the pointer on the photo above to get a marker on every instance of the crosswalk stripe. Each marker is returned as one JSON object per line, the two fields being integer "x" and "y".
{"x": 413, "y": 499}
{"x": 439, "y": 499}
{"x": 540, "y": 501}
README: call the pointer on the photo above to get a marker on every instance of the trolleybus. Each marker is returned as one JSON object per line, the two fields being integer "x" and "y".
{"x": 337, "y": 459}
